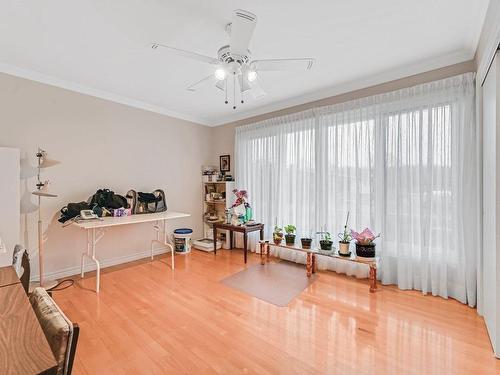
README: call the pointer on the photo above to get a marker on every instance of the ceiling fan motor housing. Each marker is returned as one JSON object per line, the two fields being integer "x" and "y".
{"x": 225, "y": 56}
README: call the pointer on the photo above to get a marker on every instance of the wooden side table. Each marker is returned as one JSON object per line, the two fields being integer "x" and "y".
{"x": 372, "y": 263}
{"x": 241, "y": 229}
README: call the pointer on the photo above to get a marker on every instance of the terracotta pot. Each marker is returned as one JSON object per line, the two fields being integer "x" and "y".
{"x": 343, "y": 248}
{"x": 277, "y": 241}
{"x": 306, "y": 243}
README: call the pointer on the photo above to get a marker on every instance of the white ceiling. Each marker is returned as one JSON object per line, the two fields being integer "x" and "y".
{"x": 101, "y": 47}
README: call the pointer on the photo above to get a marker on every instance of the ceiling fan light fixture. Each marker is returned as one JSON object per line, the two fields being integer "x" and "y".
{"x": 220, "y": 74}
{"x": 251, "y": 75}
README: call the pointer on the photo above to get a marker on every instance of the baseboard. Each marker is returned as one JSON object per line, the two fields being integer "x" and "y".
{"x": 90, "y": 266}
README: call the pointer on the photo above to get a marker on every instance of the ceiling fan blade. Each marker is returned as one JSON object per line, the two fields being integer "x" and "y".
{"x": 201, "y": 83}
{"x": 256, "y": 89}
{"x": 242, "y": 28}
{"x": 244, "y": 84}
{"x": 187, "y": 54}
{"x": 282, "y": 64}
{"x": 221, "y": 85}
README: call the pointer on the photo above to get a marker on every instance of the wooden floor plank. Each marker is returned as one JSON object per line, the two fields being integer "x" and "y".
{"x": 149, "y": 319}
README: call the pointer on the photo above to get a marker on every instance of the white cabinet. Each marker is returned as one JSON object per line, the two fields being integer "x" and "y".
{"x": 9, "y": 201}
{"x": 491, "y": 204}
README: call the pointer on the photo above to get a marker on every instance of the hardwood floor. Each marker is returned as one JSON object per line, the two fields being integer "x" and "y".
{"x": 150, "y": 320}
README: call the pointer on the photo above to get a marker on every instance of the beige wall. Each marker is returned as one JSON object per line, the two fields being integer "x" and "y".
{"x": 100, "y": 144}
{"x": 105, "y": 144}
{"x": 224, "y": 135}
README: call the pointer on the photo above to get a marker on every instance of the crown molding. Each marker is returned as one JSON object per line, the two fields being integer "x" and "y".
{"x": 338, "y": 89}
{"x": 491, "y": 44}
{"x": 82, "y": 89}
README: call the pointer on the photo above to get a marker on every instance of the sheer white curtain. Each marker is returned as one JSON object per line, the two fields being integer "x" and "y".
{"x": 402, "y": 163}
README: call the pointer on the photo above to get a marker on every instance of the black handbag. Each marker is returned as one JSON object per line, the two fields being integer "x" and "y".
{"x": 72, "y": 210}
{"x": 106, "y": 198}
{"x": 146, "y": 203}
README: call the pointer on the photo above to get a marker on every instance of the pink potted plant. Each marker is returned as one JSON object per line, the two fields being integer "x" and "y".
{"x": 365, "y": 247}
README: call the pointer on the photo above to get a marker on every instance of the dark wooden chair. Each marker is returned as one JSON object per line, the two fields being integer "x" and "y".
{"x": 25, "y": 277}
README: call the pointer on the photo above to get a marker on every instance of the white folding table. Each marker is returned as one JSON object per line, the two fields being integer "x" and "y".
{"x": 93, "y": 226}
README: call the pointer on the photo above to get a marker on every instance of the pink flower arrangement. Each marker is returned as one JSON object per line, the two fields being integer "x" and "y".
{"x": 241, "y": 196}
{"x": 366, "y": 237}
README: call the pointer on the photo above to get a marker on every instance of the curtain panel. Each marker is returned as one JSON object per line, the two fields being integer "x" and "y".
{"x": 404, "y": 164}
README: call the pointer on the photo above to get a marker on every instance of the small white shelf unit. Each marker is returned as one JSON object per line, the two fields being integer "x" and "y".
{"x": 217, "y": 207}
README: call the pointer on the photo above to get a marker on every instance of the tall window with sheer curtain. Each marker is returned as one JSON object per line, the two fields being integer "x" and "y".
{"x": 403, "y": 163}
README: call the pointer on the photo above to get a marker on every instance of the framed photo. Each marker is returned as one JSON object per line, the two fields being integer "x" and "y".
{"x": 225, "y": 163}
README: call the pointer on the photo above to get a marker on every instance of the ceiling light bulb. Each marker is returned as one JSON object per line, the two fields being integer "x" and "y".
{"x": 220, "y": 74}
{"x": 251, "y": 75}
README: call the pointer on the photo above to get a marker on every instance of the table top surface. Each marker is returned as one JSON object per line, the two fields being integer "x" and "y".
{"x": 332, "y": 254}
{"x": 8, "y": 276}
{"x": 239, "y": 228}
{"x": 23, "y": 346}
{"x": 110, "y": 221}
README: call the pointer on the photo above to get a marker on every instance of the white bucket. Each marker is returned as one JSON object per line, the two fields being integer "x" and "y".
{"x": 182, "y": 240}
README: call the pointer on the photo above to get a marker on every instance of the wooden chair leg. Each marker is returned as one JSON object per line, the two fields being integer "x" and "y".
{"x": 268, "y": 249}
{"x": 313, "y": 265}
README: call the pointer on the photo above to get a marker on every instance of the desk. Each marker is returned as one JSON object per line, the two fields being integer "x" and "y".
{"x": 92, "y": 237}
{"x": 23, "y": 346}
{"x": 8, "y": 276}
{"x": 241, "y": 229}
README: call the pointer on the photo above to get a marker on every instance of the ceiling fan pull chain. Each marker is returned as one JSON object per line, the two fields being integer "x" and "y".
{"x": 234, "y": 90}
{"x": 225, "y": 91}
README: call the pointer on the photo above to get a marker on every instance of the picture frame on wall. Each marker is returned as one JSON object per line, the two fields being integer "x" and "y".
{"x": 225, "y": 163}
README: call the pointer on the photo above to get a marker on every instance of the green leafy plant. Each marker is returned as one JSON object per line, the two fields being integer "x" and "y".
{"x": 345, "y": 236}
{"x": 326, "y": 240}
{"x": 278, "y": 233}
{"x": 325, "y": 236}
{"x": 290, "y": 229}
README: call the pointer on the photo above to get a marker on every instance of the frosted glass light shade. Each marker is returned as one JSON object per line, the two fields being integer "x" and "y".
{"x": 44, "y": 191}
{"x": 47, "y": 162}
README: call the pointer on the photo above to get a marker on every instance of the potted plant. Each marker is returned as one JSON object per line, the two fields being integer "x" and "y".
{"x": 277, "y": 235}
{"x": 345, "y": 238}
{"x": 326, "y": 241}
{"x": 290, "y": 234}
{"x": 365, "y": 247}
{"x": 306, "y": 242}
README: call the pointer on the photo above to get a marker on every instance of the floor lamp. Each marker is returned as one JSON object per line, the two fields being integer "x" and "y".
{"x": 42, "y": 190}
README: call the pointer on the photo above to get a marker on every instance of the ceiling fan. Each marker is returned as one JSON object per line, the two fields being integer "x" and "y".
{"x": 233, "y": 64}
